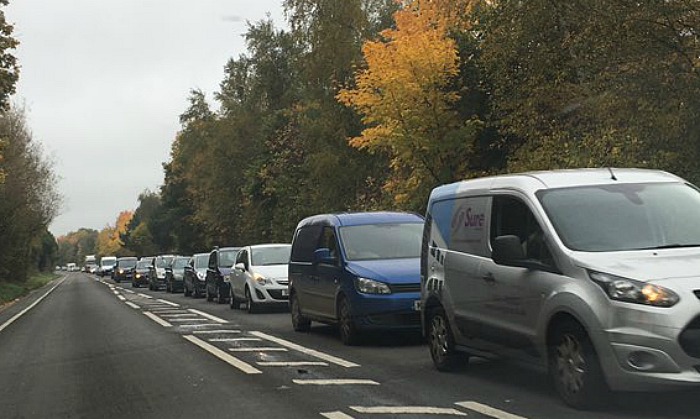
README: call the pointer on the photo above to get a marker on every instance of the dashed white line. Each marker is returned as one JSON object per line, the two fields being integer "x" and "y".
{"x": 31, "y": 306}
{"x": 488, "y": 410}
{"x": 144, "y": 296}
{"x": 259, "y": 349}
{"x": 292, "y": 364}
{"x": 208, "y": 316}
{"x": 336, "y": 415}
{"x": 170, "y": 303}
{"x": 121, "y": 297}
{"x": 407, "y": 410}
{"x": 234, "y": 339}
{"x": 335, "y": 382}
{"x": 198, "y": 325}
{"x": 230, "y": 359}
{"x": 187, "y": 320}
{"x": 115, "y": 292}
{"x": 179, "y": 315}
{"x": 157, "y": 319}
{"x": 205, "y": 332}
{"x": 312, "y": 352}
{"x": 132, "y": 305}
{"x": 129, "y": 291}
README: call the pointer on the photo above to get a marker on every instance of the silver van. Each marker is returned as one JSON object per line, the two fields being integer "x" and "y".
{"x": 593, "y": 274}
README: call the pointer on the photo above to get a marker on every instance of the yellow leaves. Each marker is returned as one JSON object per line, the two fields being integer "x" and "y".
{"x": 109, "y": 242}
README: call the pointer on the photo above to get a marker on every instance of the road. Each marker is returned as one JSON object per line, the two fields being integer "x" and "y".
{"x": 92, "y": 348}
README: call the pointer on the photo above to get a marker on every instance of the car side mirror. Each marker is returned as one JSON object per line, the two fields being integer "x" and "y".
{"x": 239, "y": 267}
{"x": 323, "y": 255}
{"x": 508, "y": 251}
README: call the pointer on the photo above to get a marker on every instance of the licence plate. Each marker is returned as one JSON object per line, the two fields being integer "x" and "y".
{"x": 416, "y": 305}
{"x": 285, "y": 293}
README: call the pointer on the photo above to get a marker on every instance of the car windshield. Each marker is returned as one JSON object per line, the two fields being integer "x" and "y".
{"x": 108, "y": 262}
{"x": 226, "y": 258}
{"x": 180, "y": 263}
{"x": 382, "y": 241}
{"x": 201, "y": 261}
{"x": 143, "y": 264}
{"x": 625, "y": 217}
{"x": 264, "y": 256}
{"x": 127, "y": 263}
{"x": 163, "y": 262}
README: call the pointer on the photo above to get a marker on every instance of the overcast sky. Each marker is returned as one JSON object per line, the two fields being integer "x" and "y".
{"x": 105, "y": 81}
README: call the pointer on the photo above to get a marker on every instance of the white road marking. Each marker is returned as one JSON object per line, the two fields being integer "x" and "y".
{"x": 259, "y": 349}
{"x": 488, "y": 410}
{"x": 312, "y": 352}
{"x": 407, "y": 410}
{"x": 31, "y": 306}
{"x": 168, "y": 302}
{"x": 188, "y": 320}
{"x": 208, "y": 316}
{"x": 198, "y": 325}
{"x": 119, "y": 288}
{"x": 144, "y": 295}
{"x": 233, "y": 339}
{"x": 157, "y": 319}
{"x": 336, "y": 415}
{"x": 292, "y": 364}
{"x": 230, "y": 359}
{"x": 204, "y": 332}
{"x": 180, "y": 315}
{"x": 115, "y": 292}
{"x": 132, "y": 305}
{"x": 335, "y": 382}
{"x": 129, "y": 291}
{"x": 121, "y": 297}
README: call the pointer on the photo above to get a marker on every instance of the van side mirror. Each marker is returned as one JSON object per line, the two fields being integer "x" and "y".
{"x": 239, "y": 267}
{"x": 323, "y": 255}
{"x": 508, "y": 251}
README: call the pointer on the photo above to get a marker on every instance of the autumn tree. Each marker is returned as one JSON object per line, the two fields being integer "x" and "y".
{"x": 407, "y": 94}
{"x": 109, "y": 241}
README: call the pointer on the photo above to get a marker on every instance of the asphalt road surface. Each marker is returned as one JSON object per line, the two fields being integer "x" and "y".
{"x": 88, "y": 348}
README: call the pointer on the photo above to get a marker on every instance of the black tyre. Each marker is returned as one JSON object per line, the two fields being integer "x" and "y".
{"x": 251, "y": 307}
{"x": 349, "y": 334}
{"x": 299, "y": 322}
{"x": 186, "y": 290}
{"x": 210, "y": 297}
{"x": 134, "y": 285}
{"x": 220, "y": 296}
{"x": 574, "y": 367}
{"x": 196, "y": 292}
{"x": 441, "y": 342}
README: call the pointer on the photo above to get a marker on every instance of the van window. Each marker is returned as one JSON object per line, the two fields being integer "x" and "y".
{"x": 328, "y": 241}
{"x": 212, "y": 261}
{"x": 510, "y": 216}
{"x": 462, "y": 224}
{"x": 305, "y": 243}
{"x": 606, "y": 218}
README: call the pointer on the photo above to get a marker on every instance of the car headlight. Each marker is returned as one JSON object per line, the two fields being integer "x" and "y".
{"x": 121, "y": 271}
{"x": 138, "y": 276}
{"x": 632, "y": 291}
{"x": 370, "y": 286}
{"x": 261, "y": 280}
{"x": 201, "y": 276}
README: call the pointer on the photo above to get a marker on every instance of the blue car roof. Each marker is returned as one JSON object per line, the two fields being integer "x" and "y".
{"x": 363, "y": 218}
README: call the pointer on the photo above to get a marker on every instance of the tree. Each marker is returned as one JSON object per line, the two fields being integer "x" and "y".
{"x": 407, "y": 96}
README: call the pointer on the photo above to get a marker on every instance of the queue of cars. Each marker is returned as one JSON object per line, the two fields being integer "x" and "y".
{"x": 590, "y": 274}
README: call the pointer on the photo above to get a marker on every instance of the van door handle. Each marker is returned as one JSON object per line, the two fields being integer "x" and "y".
{"x": 489, "y": 278}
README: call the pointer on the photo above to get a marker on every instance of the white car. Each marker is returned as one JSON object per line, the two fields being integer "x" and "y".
{"x": 259, "y": 276}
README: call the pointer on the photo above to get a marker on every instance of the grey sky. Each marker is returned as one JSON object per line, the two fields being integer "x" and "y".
{"x": 105, "y": 81}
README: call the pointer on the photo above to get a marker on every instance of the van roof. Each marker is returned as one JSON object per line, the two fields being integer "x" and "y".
{"x": 362, "y": 218}
{"x": 552, "y": 179}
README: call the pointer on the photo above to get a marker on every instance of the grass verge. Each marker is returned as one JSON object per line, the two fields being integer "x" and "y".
{"x": 10, "y": 291}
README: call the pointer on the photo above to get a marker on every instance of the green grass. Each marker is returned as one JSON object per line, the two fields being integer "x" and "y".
{"x": 10, "y": 290}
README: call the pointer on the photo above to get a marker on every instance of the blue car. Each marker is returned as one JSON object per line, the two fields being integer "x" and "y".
{"x": 360, "y": 271}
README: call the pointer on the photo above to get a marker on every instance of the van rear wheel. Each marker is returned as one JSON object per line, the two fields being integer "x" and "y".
{"x": 299, "y": 322}
{"x": 441, "y": 343}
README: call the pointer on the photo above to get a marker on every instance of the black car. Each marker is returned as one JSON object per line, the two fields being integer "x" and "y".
{"x": 124, "y": 269}
{"x": 140, "y": 277}
{"x": 175, "y": 274}
{"x": 195, "y": 275}
{"x": 220, "y": 263}
{"x": 156, "y": 276}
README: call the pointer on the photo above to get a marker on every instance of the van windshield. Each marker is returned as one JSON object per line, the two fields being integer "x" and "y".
{"x": 382, "y": 241}
{"x": 608, "y": 218}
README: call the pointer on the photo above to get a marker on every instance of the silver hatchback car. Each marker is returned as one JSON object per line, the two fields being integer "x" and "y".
{"x": 594, "y": 274}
